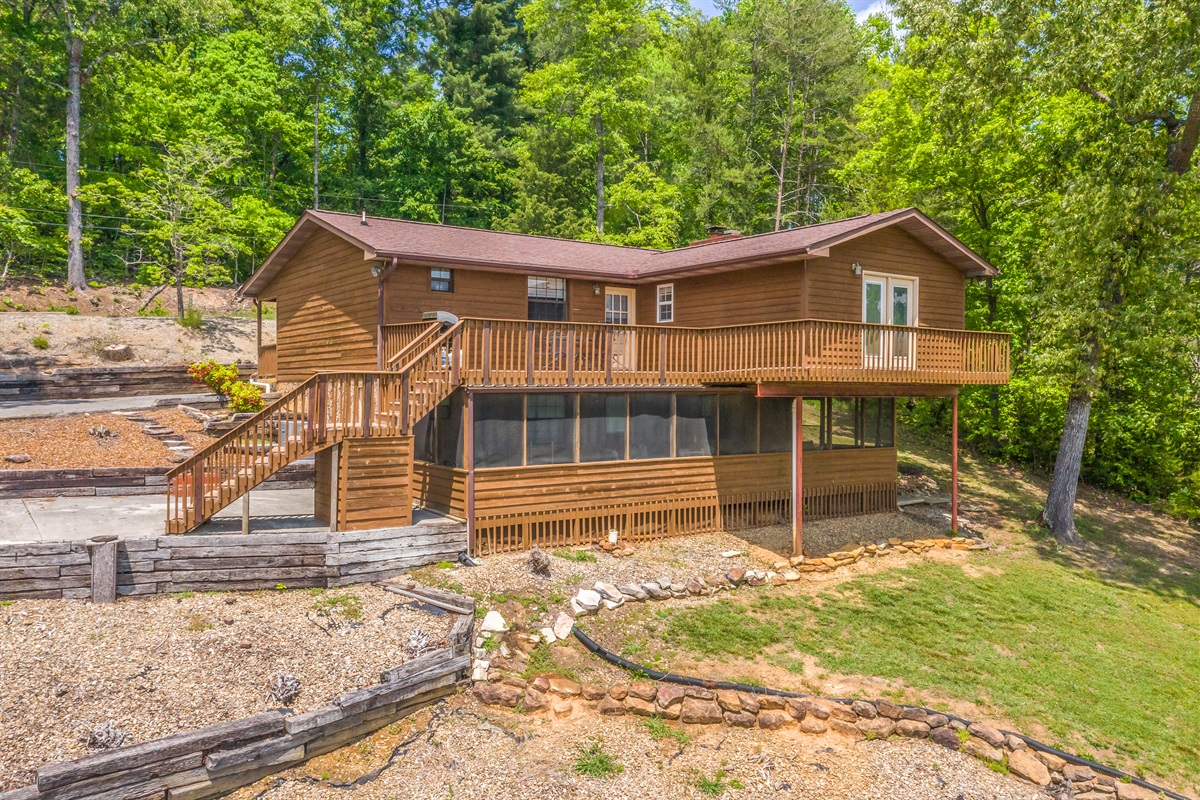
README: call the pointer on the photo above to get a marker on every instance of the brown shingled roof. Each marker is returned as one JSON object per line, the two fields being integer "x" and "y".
{"x": 430, "y": 243}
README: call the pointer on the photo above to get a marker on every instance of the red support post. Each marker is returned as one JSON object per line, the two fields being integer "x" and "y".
{"x": 469, "y": 457}
{"x": 798, "y": 479}
{"x": 954, "y": 464}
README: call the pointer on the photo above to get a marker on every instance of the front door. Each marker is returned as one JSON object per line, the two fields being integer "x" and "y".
{"x": 620, "y": 308}
{"x": 889, "y": 300}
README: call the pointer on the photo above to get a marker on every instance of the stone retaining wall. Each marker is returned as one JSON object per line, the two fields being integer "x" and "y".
{"x": 71, "y": 383}
{"x": 108, "y": 481}
{"x": 212, "y": 761}
{"x": 233, "y": 562}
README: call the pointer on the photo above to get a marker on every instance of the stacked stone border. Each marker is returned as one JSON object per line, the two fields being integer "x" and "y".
{"x": 232, "y": 562}
{"x": 110, "y": 481}
{"x": 208, "y": 762}
{"x": 72, "y": 383}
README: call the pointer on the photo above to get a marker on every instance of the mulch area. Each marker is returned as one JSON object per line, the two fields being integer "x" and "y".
{"x": 64, "y": 442}
{"x": 158, "y": 665}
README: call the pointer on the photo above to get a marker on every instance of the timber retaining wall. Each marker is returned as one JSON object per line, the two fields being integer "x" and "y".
{"x": 212, "y": 761}
{"x": 229, "y": 562}
{"x": 109, "y": 481}
{"x": 72, "y": 383}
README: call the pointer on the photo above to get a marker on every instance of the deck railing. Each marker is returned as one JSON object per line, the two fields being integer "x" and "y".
{"x": 398, "y": 339}
{"x": 268, "y": 361}
{"x": 520, "y": 353}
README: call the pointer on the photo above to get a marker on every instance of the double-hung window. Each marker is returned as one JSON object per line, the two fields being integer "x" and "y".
{"x": 666, "y": 302}
{"x": 547, "y": 299}
{"x": 441, "y": 280}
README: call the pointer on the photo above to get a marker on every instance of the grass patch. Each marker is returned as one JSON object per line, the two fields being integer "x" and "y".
{"x": 581, "y": 556}
{"x": 541, "y": 660}
{"x": 191, "y": 318}
{"x": 722, "y": 628}
{"x": 660, "y": 730}
{"x": 595, "y": 762}
{"x": 41, "y": 342}
{"x": 347, "y": 606}
{"x": 716, "y": 785}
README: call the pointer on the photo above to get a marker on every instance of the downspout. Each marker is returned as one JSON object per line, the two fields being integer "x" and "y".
{"x": 382, "y": 300}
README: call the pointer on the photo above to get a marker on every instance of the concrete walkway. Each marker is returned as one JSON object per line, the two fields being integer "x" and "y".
{"x": 61, "y": 518}
{"x": 12, "y": 409}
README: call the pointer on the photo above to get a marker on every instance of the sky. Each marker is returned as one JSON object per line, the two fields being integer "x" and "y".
{"x": 862, "y": 8}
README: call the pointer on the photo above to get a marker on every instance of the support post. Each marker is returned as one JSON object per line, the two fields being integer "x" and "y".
{"x": 954, "y": 463}
{"x": 798, "y": 477}
{"x": 246, "y": 513}
{"x": 335, "y": 461}
{"x": 102, "y": 550}
{"x": 258, "y": 328}
{"x": 469, "y": 456}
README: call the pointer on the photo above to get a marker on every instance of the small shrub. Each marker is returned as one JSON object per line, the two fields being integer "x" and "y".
{"x": 97, "y": 284}
{"x": 594, "y": 762}
{"x": 155, "y": 310}
{"x": 660, "y": 730}
{"x": 216, "y": 377}
{"x": 41, "y": 342}
{"x": 710, "y": 786}
{"x": 191, "y": 318}
{"x": 244, "y": 396}
{"x": 963, "y": 735}
{"x": 582, "y": 556}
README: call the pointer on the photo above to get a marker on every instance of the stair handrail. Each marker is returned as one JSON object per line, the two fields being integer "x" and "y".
{"x": 416, "y": 342}
{"x": 436, "y": 343}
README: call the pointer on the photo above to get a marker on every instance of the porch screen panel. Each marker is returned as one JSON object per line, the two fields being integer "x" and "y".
{"x": 650, "y": 425}
{"x": 695, "y": 425}
{"x": 843, "y": 428}
{"x": 550, "y": 429}
{"x": 877, "y": 420}
{"x": 774, "y": 425}
{"x": 739, "y": 424}
{"x": 424, "y": 444}
{"x": 816, "y": 428}
{"x": 448, "y": 431}
{"x": 499, "y": 430}
{"x": 602, "y": 427}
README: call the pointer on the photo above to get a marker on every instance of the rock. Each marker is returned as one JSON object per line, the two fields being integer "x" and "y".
{"x": 730, "y": 553}
{"x": 945, "y": 736}
{"x": 770, "y": 701}
{"x": 612, "y": 706}
{"x": 497, "y": 694}
{"x": 589, "y": 600}
{"x": 561, "y": 707}
{"x": 776, "y": 579}
{"x": 654, "y": 591}
{"x": 535, "y": 700}
{"x": 980, "y": 749}
{"x": 548, "y": 635}
{"x": 19, "y": 458}
{"x": 819, "y": 709}
{"x": 864, "y": 709}
{"x": 669, "y": 695}
{"x": 842, "y": 712}
{"x": 664, "y": 582}
{"x": 699, "y": 692}
{"x": 845, "y": 728}
{"x": 1131, "y": 791}
{"x": 1077, "y": 773}
{"x": 876, "y": 728}
{"x": 1013, "y": 742}
{"x": 608, "y": 591}
{"x": 116, "y": 352}
{"x": 740, "y": 719}
{"x": 591, "y": 691}
{"x": 693, "y": 587}
{"x": 913, "y": 729}
{"x": 735, "y": 576}
{"x": 513, "y": 680}
{"x": 728, "y": 700}
{"x": 749, "y": 702}
{"x": 936, "y": 720}
{"x": 539, "y": 562}
{"x": 986, "y": 732}
{"x": 1025, "y": 764}
{"x": 809, "y": 724}
{"x": 643, "y": 708}
{"x": 888, "y": 709}
{"x": 700, "y": 712}
{"x": 643, "y": 691}
{"x": 914, "y": 713}
{"x": 632, "y": 591}
{"x": 618, "y": 692}
{"x": 493, "y": 622}
{"x": 773, "y": 720}
{"x": 564, "y": 687}
{"x": 797, "y": 707}
{"x": 563, "y": 625}
{"x": 1053, "y": 763}
{"x": 790, "y": 575}
{"x": 611, "y": 604}
{"x": 541, "y": 683}
{"x": 479, "y": 670}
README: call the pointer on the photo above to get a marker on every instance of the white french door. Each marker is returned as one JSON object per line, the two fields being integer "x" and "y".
{"x": 889, "y": 300}
{"x": 620, "y": 308}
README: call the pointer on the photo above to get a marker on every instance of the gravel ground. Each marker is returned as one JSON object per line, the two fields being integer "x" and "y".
{"x": 153, "y": 666}
{"x": 64, "y": 442}
{"x": 464, "y": 750}
{"x": 823, "y": 536}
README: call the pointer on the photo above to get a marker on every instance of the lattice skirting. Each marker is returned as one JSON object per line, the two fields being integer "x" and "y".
{"x": 677, "y": 516}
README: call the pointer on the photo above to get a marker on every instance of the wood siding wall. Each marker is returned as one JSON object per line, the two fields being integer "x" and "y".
{"x": 375, "y": 477}
{"x": 835, "y": 292}
{"x": 762, "y": 294}
{"x": 327, "y": 310}
{"x": 322, "y": 484}
{"x": 440, "y": 489}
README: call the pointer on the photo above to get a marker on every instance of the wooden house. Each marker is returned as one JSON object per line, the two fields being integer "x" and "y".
{"x": 548, "y": 391}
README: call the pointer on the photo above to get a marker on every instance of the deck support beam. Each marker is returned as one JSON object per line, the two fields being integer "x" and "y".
{"x": 469, "y": 457}
{"x": 954, "y": 464}
{"x": 798, "y": 477}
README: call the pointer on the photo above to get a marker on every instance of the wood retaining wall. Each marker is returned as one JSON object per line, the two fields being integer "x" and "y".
{"x": 233, "y": 562}
{"x": 72, "y": 383}
{"x": 212, "y": 761}
{"x": 108, "y": 481}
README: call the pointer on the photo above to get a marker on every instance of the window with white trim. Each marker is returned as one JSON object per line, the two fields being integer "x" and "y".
{"x": 547, "y": 299}
{"x": 441, "y": 280}
{"x": 666, "y": 302}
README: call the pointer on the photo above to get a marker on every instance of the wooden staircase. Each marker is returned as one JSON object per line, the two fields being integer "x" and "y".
{"x": 322, "y": 411}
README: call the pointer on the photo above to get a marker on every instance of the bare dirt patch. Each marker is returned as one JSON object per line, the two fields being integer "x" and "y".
{"x": 462, "y": 749}
{"x": 65, "y": 443}
{"x": 117, "y": 300}
{"x": 154, "y": 666}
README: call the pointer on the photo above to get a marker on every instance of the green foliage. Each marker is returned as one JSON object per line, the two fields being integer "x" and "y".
{"x": 347, "y": 606}
{"x": 570, "y": 554}
{"x": 155, "y": 309}
{"x": 217, "y": 377}
{"x": 595, "y": 762}
{"x": 712, "y": 786}
{"x": 541, "y": 661}
{"x": 191, "y": 318}
{"x": 244, "y": 397}
{"x": 41, "y": 342}
{"x": 660, "y": 730}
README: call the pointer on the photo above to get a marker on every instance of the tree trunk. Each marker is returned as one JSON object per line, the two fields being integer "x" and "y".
{"x": 179, "y": 268}
{"x": 75, "y": 277}
{"x": 1059, "y": 512}
{"x": 317, "y": 148}
{"x": 599, "y": 174}
{"x": 783, "y": 153}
